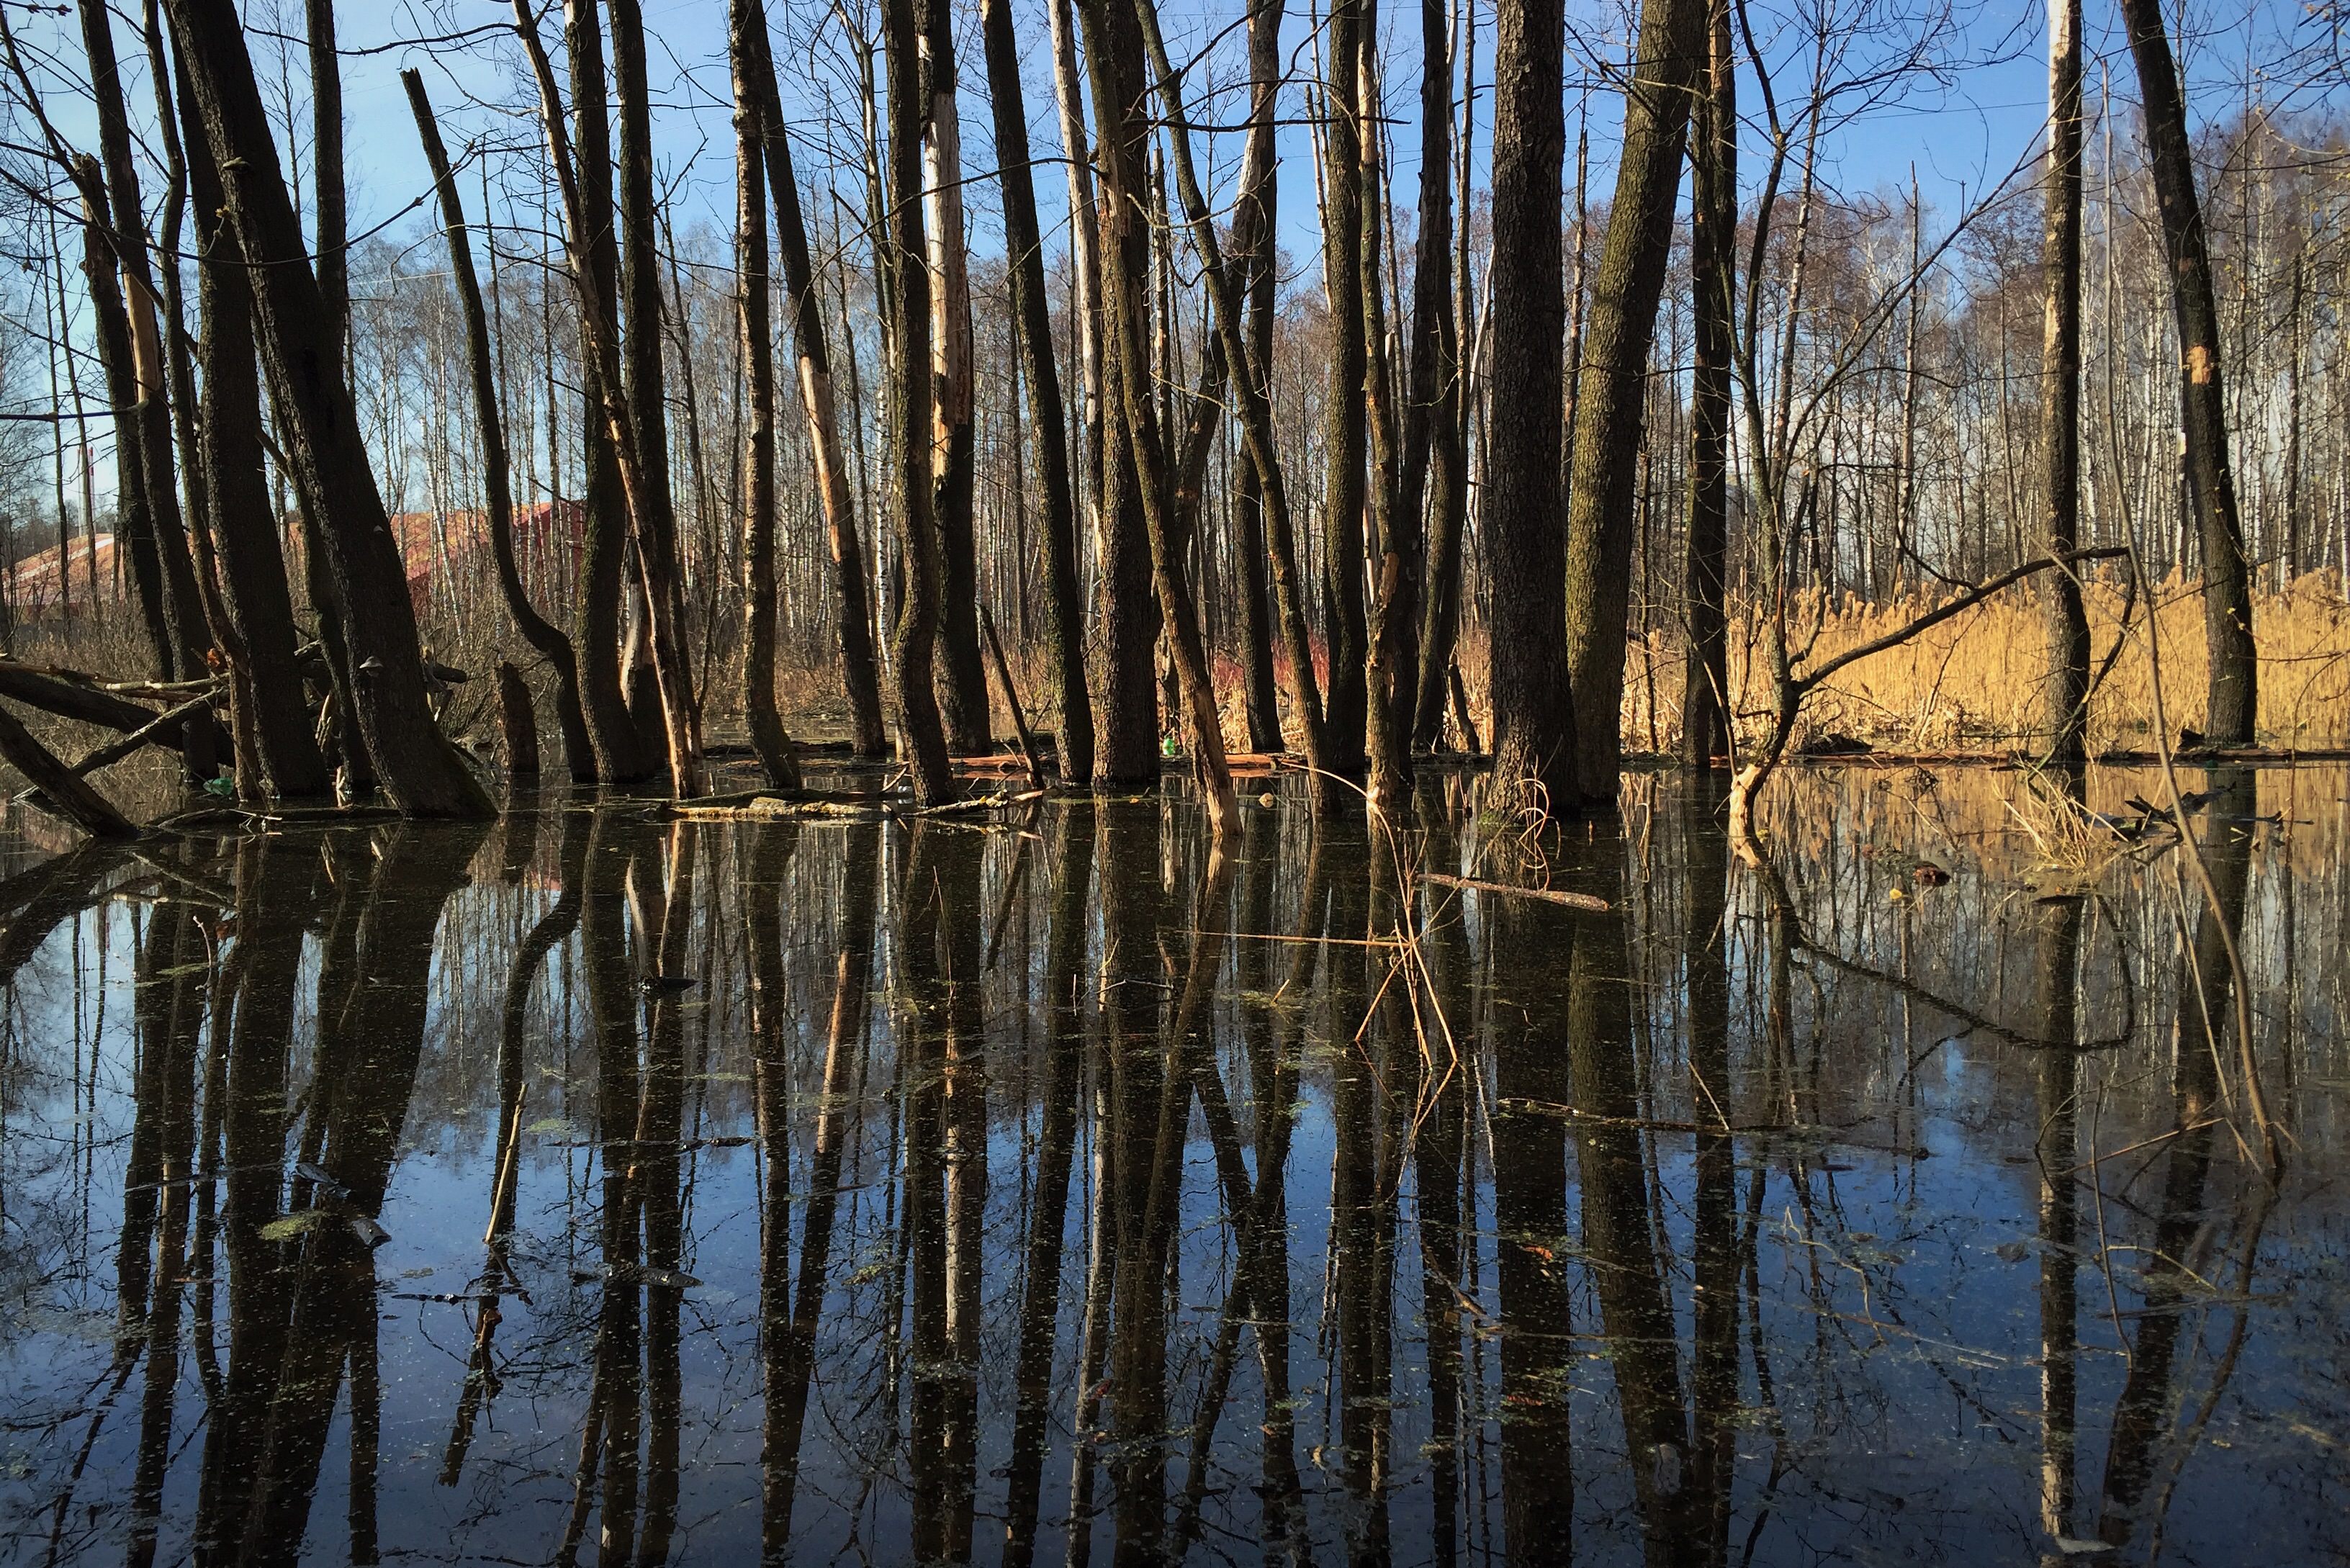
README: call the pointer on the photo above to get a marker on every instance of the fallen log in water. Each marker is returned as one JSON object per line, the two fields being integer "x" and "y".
{"x": 62, "y": 792}
{"x": 1583, "y": 901}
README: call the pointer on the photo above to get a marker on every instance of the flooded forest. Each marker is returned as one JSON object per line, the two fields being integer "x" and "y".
{"x": 1472, "y": 783}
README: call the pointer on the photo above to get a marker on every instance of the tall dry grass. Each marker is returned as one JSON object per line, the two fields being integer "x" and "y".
{"x": 1976, "y": 682}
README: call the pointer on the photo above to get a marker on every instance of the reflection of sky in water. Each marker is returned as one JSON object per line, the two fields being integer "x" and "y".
{"x": 1901, "y": 1296}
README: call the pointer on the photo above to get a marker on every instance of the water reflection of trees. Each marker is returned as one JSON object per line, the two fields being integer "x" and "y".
{"x": 961, "y": 1193}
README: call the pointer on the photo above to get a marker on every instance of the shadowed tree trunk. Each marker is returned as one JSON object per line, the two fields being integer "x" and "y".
{"x": 623, "y": 753}
{"x": 2232, "y": 708}
{"x": 1533, "y": 706}
{"x": 1255, "y": 410}
{"x": 1114, "y": 63}
{"x": 1611, "y": 394}
{"x": 1713, "y": 273}
{"x": 423, "y": 772}
{"x": 259, "y": 603}
{"x": 1434, "y": 453}
{"x": 852, "y": 597}
{"x": 1344, "y": 432}
{"x": 2067, "y": 717}
{"x": 545, "y": 639}
{"x": 954, "y": 452}
{"x": 652, "y": 509}
{"x": 1065, "y": 632}
{"x": 746, "y": 24}
{"x": 925, "y": 742}
{"x": 1255, "y": 259}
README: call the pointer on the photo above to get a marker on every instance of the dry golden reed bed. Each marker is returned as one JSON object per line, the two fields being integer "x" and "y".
{"x": 1974, "y": 682}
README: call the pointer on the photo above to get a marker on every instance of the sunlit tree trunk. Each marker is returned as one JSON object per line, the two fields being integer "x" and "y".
{"x": 2066, "y": 720}
{"x": 1345, "y": 433}
{"x": 1713, "y": 273}
{"x": 1252, "y": 256}
{"x": 2232, "y": 710}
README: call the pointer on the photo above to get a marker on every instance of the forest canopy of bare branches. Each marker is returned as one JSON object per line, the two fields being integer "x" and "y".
{"x": 1719, "y": 377}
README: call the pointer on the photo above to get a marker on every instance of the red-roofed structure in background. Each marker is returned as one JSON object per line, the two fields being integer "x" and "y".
{"x": 65, "y": 578}
{"x": 437, "y": 549}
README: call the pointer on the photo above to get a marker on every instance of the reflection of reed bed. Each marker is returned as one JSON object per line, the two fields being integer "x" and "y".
{"x": 1972, "y": 683}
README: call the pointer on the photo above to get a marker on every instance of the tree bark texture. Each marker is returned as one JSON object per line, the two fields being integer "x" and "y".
{"x": 1344, "y": 407}
{"x": 2066, "y": 710}
{"x": 1713, "y": 273}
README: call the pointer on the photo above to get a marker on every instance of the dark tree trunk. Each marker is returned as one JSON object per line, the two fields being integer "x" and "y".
{"x": 259, "y": 603}
{"x": 623, "y": 754}
{"x": 422, "y": 770}
{"x": 1344, "y": 432}
{"x": 1064, "y": 631}
{"x": 2232, "y": 709}
{"x": 954, "y": 452}
{"x": 1253, "y": 380}
{"x": 913, "y": 643}
{"x": 1714, "y": 272}
{"x": 1611, "y": 393}
{"x": 1434, "y": 452}
{"x": 1253, "y": 260}
{"x": 651, "y": 506}
{"x": 853, "y": 598}
{"x": 1122, "y": 101}
{"x": 1534, "y": 705}
{"x": 746, "y": 23}
{"x": 546, "y": 639}
{"x": 2067, "y": 715}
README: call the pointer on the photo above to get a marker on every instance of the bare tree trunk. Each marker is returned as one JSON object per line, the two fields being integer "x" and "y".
{"x": 909, "y": 370}
{"x": 1114, "y": 63}
{"x": 1533, "y": 706}
{"x": 955, "y": 454}
{"x": 852, "y": 595}
{"x": 1713, "y": 279}
{"x": 2232, "y": 709}
{"x": 747, "y": 28}
{"x": 1432, "y": 431}
{"x": 1611, "y": 395}
{"x": 423, "y": 772}
{"x": 652, "y": 507}
{"x": 1033, "y": 318}
{"x": 2067, "y": 716}
{"x": 228, "y": 456}
{"x": 1253, "y": 380}
{"x": 621, "y": 753}
{"x": 1344, "y": 412}
{"x": 546, "y": 639}
{"x": 1254, "y": 255}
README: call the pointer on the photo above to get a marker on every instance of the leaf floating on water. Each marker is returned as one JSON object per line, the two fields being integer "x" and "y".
{"x": 291, "y": 1226}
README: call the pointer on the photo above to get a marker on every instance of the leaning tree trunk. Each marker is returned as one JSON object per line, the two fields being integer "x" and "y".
{"x": 1252, "y": 380}
{"x": 1114, "y": 66}
{"x": 546, "y": 639}
{"x": 1713, "y": 273}
{"x": 747, "y": 25}
{"x": 228, "y": 454}
{"x": 853, "y": 599}
{"x": 652, "y": 509}
{"x": 2067, "y": 698}
{"x": 1533, "y": 702}
{"x": 916, "y": 639}
{"x": 955, "y": 436}
{"x": 423, "y": 772}
{"x": 1611, "y": 395}
{"x": 1064, "y": 631}
{"x": 2232, "y": 709}
{"x": 329, "y": 211}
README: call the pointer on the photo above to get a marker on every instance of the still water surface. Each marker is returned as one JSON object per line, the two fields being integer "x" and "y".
{"x": 606, "y": 1188}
